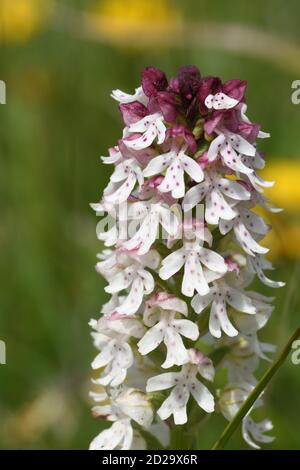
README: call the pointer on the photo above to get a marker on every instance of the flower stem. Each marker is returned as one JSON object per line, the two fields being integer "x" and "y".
{"x": 255, "y": 394}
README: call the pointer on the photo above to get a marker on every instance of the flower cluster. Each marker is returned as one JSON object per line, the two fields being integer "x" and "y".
{"x": 187, "y": 143}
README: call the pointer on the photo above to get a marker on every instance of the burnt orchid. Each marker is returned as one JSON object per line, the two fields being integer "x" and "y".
{"x": 182, "y": 249}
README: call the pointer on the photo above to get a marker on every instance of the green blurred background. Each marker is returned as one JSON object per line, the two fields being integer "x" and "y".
{"x": 60, "y": 60}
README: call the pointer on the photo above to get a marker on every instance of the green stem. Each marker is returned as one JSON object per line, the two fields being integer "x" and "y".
{"x": 254, "y": 395}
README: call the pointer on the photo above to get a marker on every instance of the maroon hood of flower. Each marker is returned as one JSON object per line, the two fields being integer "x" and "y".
{"x": 185, "y": 95}
{"x": 161, "y": 97}
{"x": 212, "y": 122}
{"x": 174, "y": 85}
{"x": 211, "y": 85}
{"x": 153, "y": 81}
{"x": 208, "y": 85}
{"x": 228, "y": 117}
{"x": 188, "y": 82}
{"x": 165, "y": 102}
{"x": 230, "y": 120}
{"x": 235, "y": 89}
{"x": 183, "y": 136}
{"x": 132, "y": 112}
{"x": 249, "y": 131}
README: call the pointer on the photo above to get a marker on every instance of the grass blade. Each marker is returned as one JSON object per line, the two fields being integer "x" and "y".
{"x": 256, "y": 392}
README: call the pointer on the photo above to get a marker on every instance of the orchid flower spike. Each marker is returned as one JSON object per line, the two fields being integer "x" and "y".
{"x": 180, "y": 254}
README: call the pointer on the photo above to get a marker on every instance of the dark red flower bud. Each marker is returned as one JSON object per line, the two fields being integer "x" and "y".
{"x": 174, "y": 84}
{"x": 153, "y": 81}
{"x": 189, "y": 81}
{"x": 166, "y": 103}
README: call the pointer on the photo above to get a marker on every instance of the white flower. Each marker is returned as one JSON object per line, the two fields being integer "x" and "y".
{"x": 124, "y": 406}
{"x": 131, "y": 274}
{"x": 109, "y": 237}
{"x": 109, "y": 308}
{"x": 258, "y": 182}
{"x": 110, "y": 262}
{"x": 255, "y": 432}
{"x": 175, "y": 163}
{"x": 151, "y": 127}
{"x": 244, "y": 225}
{"x": 152, "y": 214}
{"x": 231, "y": 146}
{"x": 219, "y": 295}
{"x": 252, "y": 323}
{"x": 125, "y": 98}
{"x": 98, "y": 396}
{"x": 123, "y": 180}
{"x": 185, "y": 383}
{"x": 218, "y": 193}
{"x": 257, "y": 265}
{"x": 111, "y": 338}
{"x": 243, "y": 358}
{"x": 115, "y": 156}
{"x": 161, "y": 316}
{"x": 255, "y": 180}
{"x": 220, "y": 101}
{"x": 243, "y": 110}
{"x": 119, "y": 436}
{"x": 192, "y": 256}
{"x": 231, "y": 399}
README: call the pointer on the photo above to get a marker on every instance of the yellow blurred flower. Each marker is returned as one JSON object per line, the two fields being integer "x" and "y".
{"x": 20, "y": 19}
{"x": 119, "y": 18}
{"x": 284, "y": 239}
{"x": 286, "y": 192}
